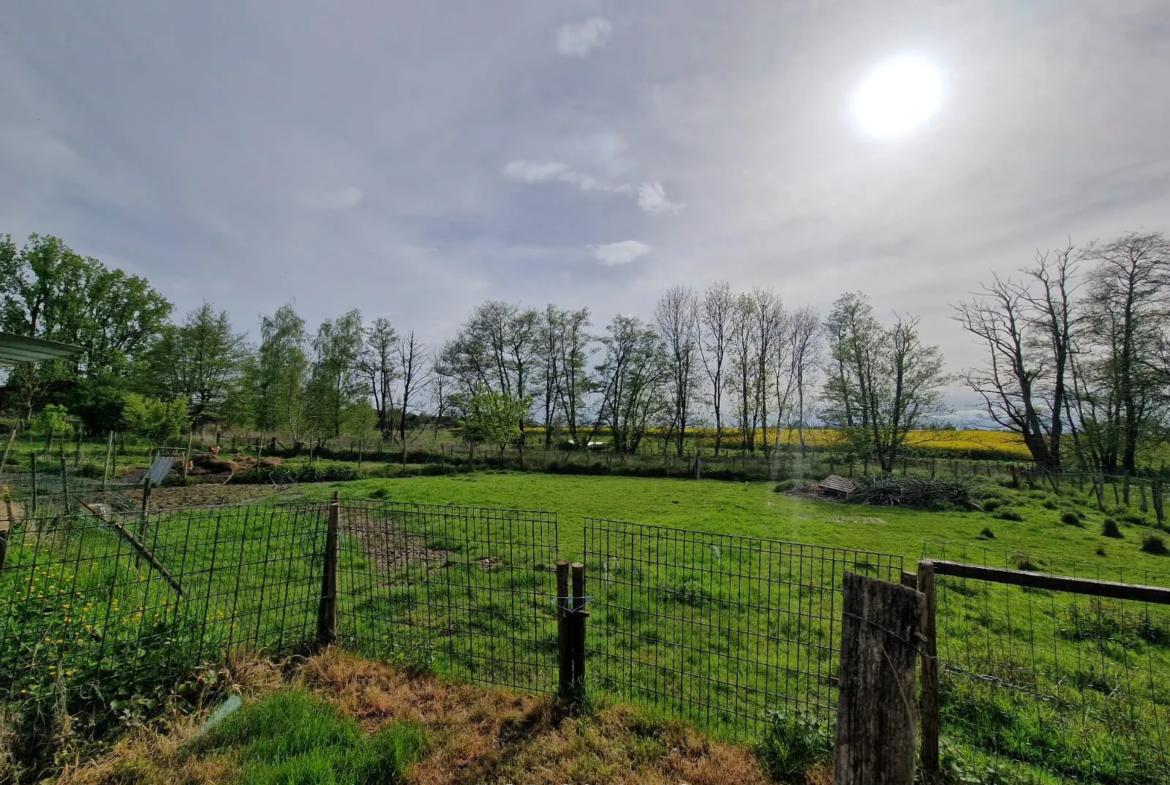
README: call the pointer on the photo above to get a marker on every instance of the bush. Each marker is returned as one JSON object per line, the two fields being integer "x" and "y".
{"x": 785, "y": 486}
{"x": 1049, "y": 504}
{"x": 280, "y": 474}
{"x": 1135, "y": 518}
{"x": 1101, "y": 550}
{"x": 986, "y": 534}
{"x": 1109, "y": 529}
{"x": 792, "y": 744}
{"x": 1155, "y": 545}
{"x": 1070, "y": 518}
{"x": 991, "y": 504}
{"x": 90, "y": 470}
{"x": 1026, "y": 564}
{"x": 1009, "y": 514}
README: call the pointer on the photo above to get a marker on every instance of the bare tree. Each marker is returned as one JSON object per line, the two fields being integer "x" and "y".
{"x": 1128, "y": 305}
{"x": 803, "y": 337}
{"x": 768, "y": 326}
{"x": 1026, "y": 328}
{"x": 741, "y": 344}
{"x": 573, "y": 379}
{"x": 550, "y": 329}
{"x": 377, "y": 366}
{"x": 676, "y": 317}
{"x": 631, "y": 380}
{"x": 412, "y": 359}
{"x": 715, "y": 324}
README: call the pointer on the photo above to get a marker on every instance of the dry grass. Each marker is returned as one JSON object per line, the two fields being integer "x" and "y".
{"x": 474, "y": 735}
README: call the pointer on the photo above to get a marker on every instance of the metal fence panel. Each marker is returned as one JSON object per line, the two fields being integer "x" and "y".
{"x": 466, "y": 591}
{"x": 720, "y": 628}
{"x": 1055, "y": 681}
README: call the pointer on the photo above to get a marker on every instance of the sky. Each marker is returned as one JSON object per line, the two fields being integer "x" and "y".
{"x": 413, "y": 159}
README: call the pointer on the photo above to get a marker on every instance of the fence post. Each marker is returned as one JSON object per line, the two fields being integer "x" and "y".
{"x": 564, "y": 642}
{"x": 929, "y": 696}
{"x": 33, "y": 461}
{"x": 106, "y": 468}
{"x": 579, "y": 616}
{"x": 876, "y": 714}
{"x": 146, "y": 498}
{"x": 64, "y": 485}
{"x": 327, "y": 609}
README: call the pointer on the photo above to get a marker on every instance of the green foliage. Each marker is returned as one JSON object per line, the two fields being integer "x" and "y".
{"x": 1109, "y": 529}
{"x": 154, "y": 419}
{"x": 1009, "y": 514}
{"x": 1070, "y": 518}
{"x": 292, "y": 738}
{"x": 494, "y": 418}
{"x": 281, "y": 474}
{"x": 792, "y": 744}
{"x": 52, "y": 421}
{"x": 987, "y": 534}
{"x": 98, "y": 402}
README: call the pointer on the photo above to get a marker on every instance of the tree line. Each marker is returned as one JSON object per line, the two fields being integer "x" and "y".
{"x": 1076, "y": 346}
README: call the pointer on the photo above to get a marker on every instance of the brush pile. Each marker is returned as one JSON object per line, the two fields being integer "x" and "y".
{"x": 913, "y": 492}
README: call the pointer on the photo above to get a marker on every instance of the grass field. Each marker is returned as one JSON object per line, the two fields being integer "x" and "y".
{"x": 713, "y": 622}
{"x": 755, "y": 510}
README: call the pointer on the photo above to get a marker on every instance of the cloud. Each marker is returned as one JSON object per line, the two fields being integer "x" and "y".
{"x": 532, "y": 172}
{"x": 652, "y": 199}
{"x": 335, "y": 199}
{"x": 616, "y": 254}
{"x": 579, "y": 40}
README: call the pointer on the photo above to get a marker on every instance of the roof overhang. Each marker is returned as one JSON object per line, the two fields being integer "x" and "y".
{"x": 18, "y": 350}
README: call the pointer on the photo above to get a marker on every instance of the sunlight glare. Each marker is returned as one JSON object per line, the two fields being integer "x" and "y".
{"x": 897, "y": 96}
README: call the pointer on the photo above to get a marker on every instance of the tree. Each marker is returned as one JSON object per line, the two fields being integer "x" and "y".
{"x": 333, "y": 381}
{"x": 883, "y": 382}
{"x": 51, "y": 422}
{"x": 768, "y": 326}
{"x": 154, "y": 419}
{"x": 715, "y": 324}
{"x": 631, "y": 379}
{"x": 199, "y": 361}
{"x": 572, "y": 381}
{"x": 676, "y": 317}
{"x": 412, "y": 359}
{"x": 1026, "y": 328}
{"x": 803, "y": 339}
{"x": 550, "y": 329}
{"x": 494, "y": 418}
{"x": 282, "y": 373}
{"x": 1127, "y": 308}
{"x": 378, "y": 366}
{"x": 742, "y": 358}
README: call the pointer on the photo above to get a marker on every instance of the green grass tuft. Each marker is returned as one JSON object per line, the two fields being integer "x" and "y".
{"x": 292, "y": 738}
{"x": 1110, "y": 529}
{"x": 793, "y": 744}
{"x": 1155, "y": 545}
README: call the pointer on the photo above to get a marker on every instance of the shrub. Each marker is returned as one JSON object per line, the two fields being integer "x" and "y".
{"x": 1135, "y": 518}
{"x": 438, "y": 469}
{"x": 1009, "y": 514}
{"x": 1101, "y": 550}
{"x": 1026, "y": 564}
{"x": 785, "y": 486}
{"x": 1070, "y": 518}
{"x": 987, "y": 534}
{"x": 792, "y": 744}
{"x": 1155, "y": 545}
{"x": 1109, "y": 529}
{"x": 90, "y": 470}
{"x": 1049, "y": 504}
{"x": 991, "y": 504}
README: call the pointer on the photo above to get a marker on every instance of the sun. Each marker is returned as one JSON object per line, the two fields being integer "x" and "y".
{"x": 897, "y": 96}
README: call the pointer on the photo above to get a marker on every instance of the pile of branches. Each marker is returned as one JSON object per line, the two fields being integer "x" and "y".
{"x": 913, "y": 492}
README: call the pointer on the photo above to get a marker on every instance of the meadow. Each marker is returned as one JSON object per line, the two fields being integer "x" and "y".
{"x": 700, "y": 621}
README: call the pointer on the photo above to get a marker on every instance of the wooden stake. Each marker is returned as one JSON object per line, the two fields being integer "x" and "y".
{"x": 8, "y": 449}
{"x": 579, "y": 616}
{"x": 564, "y": 643}
{"x": 33, "y": 461}
{"x": 106, "y": 469}
{"x": 327, "y": 608}
{"x": 876, "y": 715}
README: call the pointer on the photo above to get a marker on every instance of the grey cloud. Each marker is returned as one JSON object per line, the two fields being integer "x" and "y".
{"x": 578, "y": 40}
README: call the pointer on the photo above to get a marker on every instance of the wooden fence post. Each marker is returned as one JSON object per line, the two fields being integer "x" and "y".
{"x": 64, "y": 485}
{"x": 579, "y": 616}
{"x": 565, "y": 644}
{"x": 929, "y": 695}
{"x": 876, "y": 715}
{"x": 33, "y": 461}
{"x": 106, "y": 468}
{"x": 327, "y": 609}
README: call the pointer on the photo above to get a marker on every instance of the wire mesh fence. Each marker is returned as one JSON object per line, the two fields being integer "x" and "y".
{"x": 468, "y": 592}
{"x": 1057, "y": 681}
{"x": 97, "y": 610}
{"x": 719, "y": 628}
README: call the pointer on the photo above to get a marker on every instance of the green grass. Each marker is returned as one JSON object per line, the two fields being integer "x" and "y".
{"x": 754, "y": 510}
{"x": 291, "y": 738}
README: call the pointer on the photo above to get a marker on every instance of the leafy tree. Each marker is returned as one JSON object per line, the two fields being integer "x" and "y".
{"x": 52, "y": 421}
{"x": 282, "y": 373}
{"x": 98, "y": 402}
{"x": 494, "y": 418}
{"x": 155, "y": 419}
{"x": 631, "y": 379}
{"x": 199, "y": 361}
{"x": 334, "y": 384}
{"x": 883, "y": 382}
